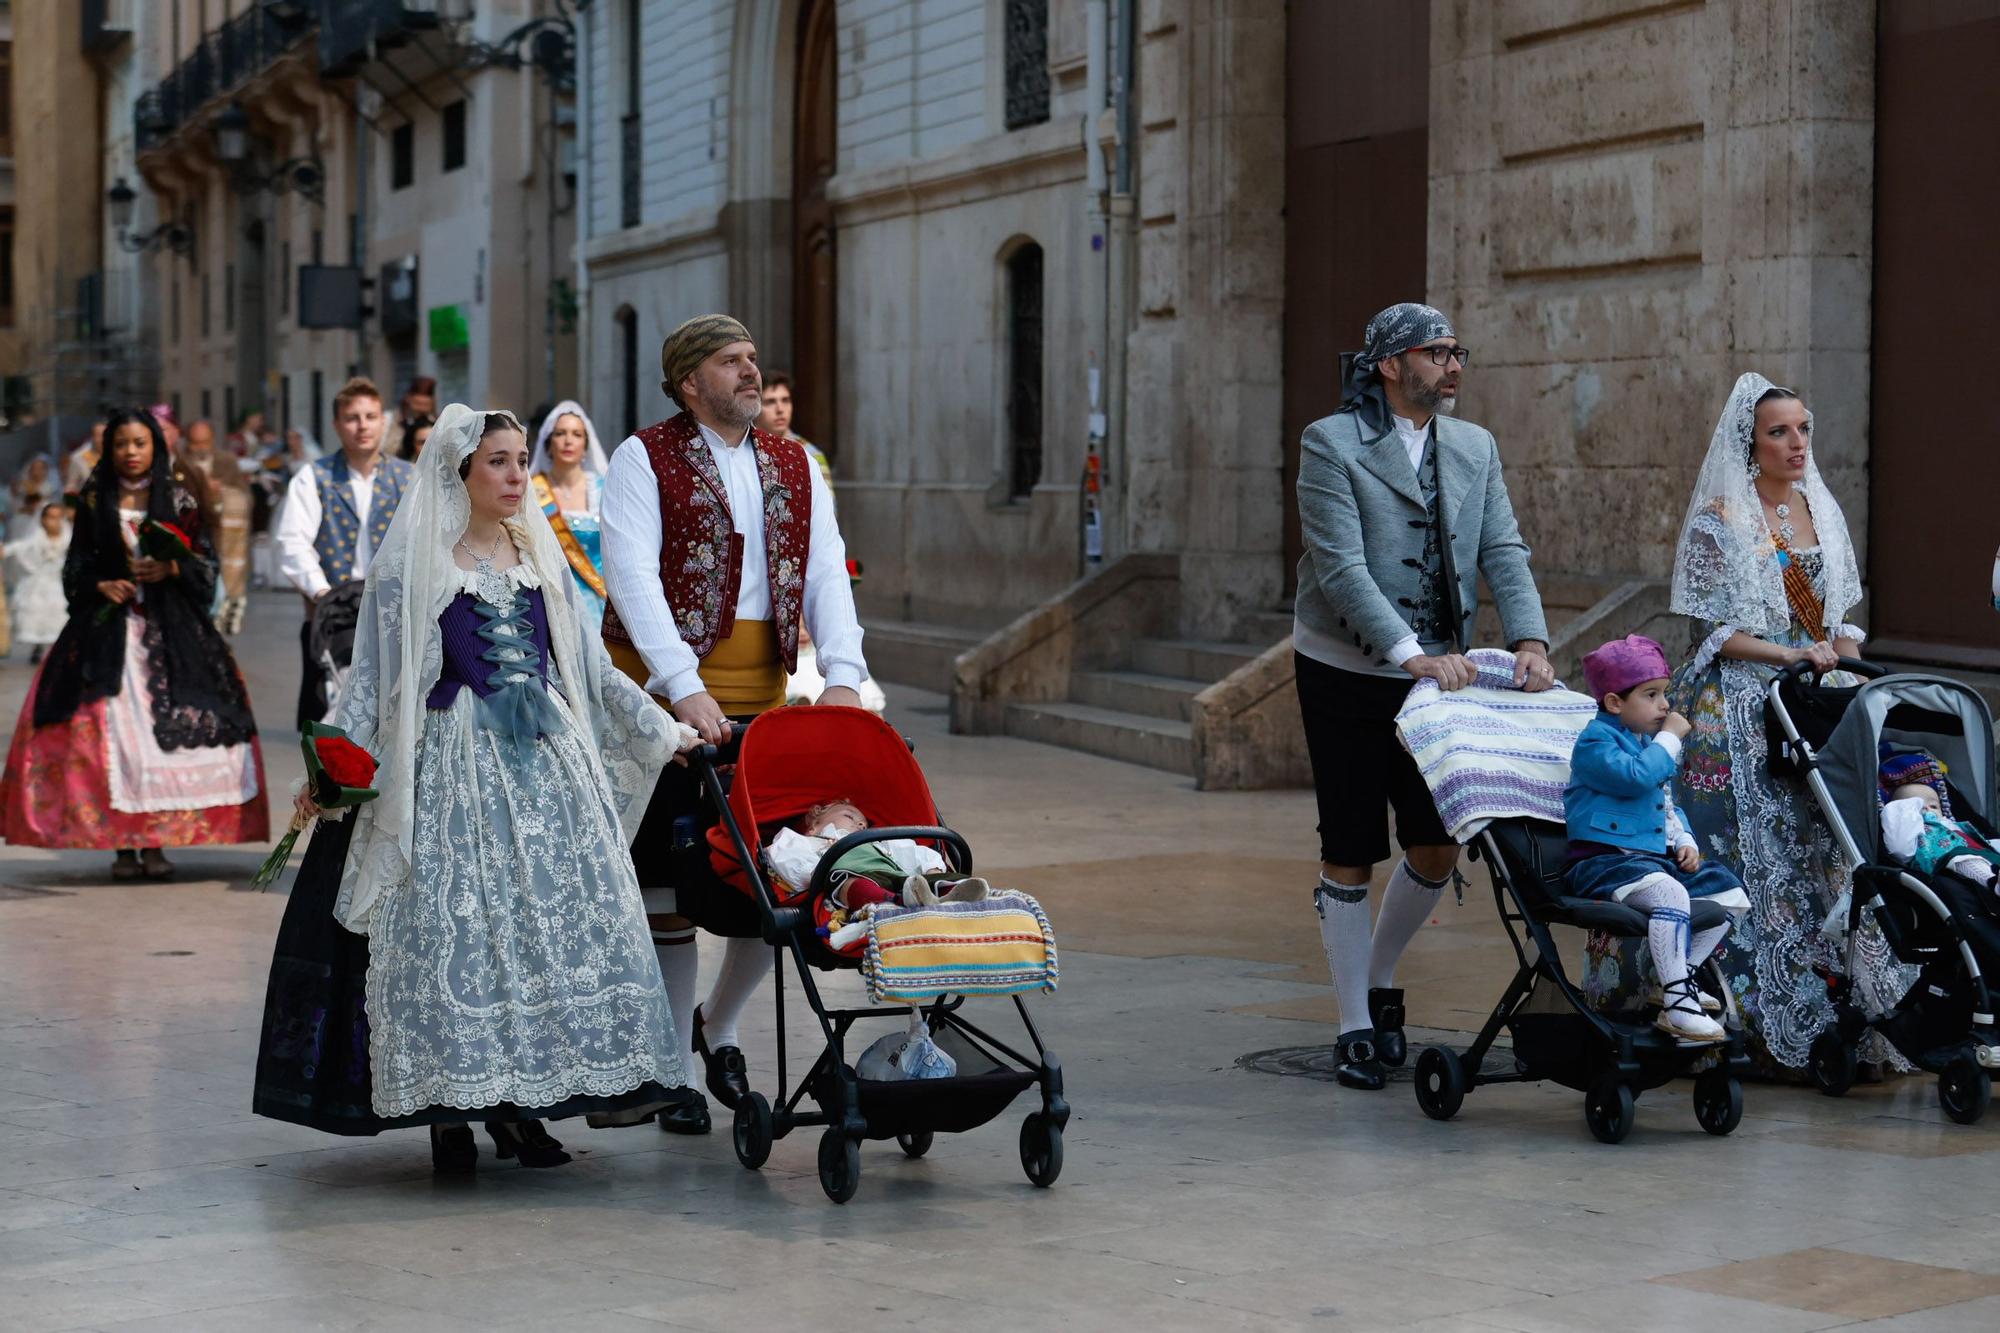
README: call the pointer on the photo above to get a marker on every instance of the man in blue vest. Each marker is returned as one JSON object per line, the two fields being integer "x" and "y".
{"x": 335, "y": 514}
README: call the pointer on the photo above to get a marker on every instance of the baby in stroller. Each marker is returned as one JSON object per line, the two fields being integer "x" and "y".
{"x": 900, "y": 872}
{"x": 1627, "y": 842}
{"x": 1918, "y": 828}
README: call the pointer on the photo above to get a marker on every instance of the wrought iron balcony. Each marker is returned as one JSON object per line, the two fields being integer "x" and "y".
{"x": 222, "y": 61}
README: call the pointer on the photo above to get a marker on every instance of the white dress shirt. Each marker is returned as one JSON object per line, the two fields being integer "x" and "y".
{"x": 1339, "y": 652}
{"x": 297, "y": 527}
{"x": 633, "y": 530}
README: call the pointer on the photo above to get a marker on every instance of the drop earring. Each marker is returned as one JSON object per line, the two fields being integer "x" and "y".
{"x": 1756, "y": 469}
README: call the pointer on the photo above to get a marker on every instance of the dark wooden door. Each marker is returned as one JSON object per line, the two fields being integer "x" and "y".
{"x": 813, "y": 249}
{"x": 1934, "y": 474}
{"x": 1357, "y": 115}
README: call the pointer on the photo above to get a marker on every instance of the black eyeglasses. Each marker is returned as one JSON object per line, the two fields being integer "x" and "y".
{"x": 1440, "y": 355}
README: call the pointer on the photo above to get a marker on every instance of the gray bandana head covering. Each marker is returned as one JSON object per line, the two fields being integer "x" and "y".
{"x": 1397, "y": 329}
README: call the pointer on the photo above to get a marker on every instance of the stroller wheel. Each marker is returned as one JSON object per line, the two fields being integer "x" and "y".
{"x": 1440, "y": 1082}
{"x": 1041, "y": 1149}
{"x": 1831, "y": 1061}
{"x": 917, "y": 1143}
{"x": 1964, "y": 1091}
{"x": 839, "y": 1165}
{"x": 1718, "y": 1101}
{"x": 1608, "y": 1109}
{"x": 751, "y": 1132}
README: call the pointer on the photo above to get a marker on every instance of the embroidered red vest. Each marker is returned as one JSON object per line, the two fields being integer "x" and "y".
{"x": 701, "y": 553}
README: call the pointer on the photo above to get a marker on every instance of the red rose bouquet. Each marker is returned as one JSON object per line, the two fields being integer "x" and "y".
{"x": 338, "y": 778}
{"x": 164, "y": 542}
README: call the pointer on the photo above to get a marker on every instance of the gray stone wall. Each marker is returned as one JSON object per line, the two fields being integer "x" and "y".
{"x": 1632, "y": 203}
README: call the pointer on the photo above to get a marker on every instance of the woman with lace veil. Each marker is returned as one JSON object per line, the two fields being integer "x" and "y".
{"x": 1766, "y": 573}
{"x": 507, "y": 971}
{"x": 567, "y": 472}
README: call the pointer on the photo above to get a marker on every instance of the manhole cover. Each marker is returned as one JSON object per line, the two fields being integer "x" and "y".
{"x": 1321, "y": 1062}
{"x": 12, "y": 891}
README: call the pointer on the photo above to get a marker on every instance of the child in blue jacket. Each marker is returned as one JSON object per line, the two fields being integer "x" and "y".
{"x": 1627, "y": 842}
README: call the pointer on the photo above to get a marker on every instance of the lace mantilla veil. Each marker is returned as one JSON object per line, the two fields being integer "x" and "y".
{"x": 1726, "y": 568}
{"x": 595, "y": 461}
{"x": 399, "y": 654}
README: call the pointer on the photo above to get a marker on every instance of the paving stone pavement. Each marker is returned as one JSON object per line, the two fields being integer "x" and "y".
{"x": 137, "y": 1192}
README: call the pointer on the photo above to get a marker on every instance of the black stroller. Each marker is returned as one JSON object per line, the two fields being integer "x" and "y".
{"x": 1829, "y": 737}
{"x": 791, "y": 759}
{"x": 1611, "y": 1057}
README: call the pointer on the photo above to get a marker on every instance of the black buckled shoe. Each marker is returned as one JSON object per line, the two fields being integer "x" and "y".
{"x": 1385, "y": 1011}
{"x": 688, "y": 1117}
{"x": 526, "y": 1141}
{"x": 1360, "y": 1064}
{"x": 728, "y": 1077}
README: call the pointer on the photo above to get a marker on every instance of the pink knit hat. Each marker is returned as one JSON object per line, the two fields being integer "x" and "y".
{"x": 1619, "y": 665}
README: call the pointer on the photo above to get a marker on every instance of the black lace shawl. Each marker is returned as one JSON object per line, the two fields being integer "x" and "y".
{"x": 198, "y": 698}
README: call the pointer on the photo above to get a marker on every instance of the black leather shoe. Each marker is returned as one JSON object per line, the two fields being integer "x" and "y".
{"x": 728, "y": 1077}
{"x": 1360, "y": 1066}
{"x": 527, "y": 1140}
{"x": 688, "y": 1117}
{"x": 453, "y": 1151}
{"x": 1385, "y": 1011}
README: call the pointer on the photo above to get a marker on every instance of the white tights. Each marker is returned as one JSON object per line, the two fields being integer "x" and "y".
{"x": 1665, "y": 903}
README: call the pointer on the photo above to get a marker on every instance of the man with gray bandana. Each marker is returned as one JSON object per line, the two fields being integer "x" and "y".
{"x": 1402, "y": 507}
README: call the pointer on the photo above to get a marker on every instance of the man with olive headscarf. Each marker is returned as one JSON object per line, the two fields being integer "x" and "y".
{"x": 1402, "y": 506}
{"x": 720, "y": 544}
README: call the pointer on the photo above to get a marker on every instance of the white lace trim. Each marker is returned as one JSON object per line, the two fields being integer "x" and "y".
{"x": 520, "y": 576}
{"x": 1710, "y": 646}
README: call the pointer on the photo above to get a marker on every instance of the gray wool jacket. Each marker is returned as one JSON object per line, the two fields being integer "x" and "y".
{"x": 1361, "y": 508}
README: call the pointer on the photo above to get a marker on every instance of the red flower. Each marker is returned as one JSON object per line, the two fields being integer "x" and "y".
{"x": 174, "y": 532}
{"x": 344, "y": 762}
{"x": 853, "y": 568}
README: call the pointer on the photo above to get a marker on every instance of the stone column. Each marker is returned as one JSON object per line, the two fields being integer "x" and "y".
{"x": 1204, "y": 433}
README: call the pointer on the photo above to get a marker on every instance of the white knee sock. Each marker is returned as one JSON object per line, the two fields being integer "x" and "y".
{"x": 680, "y": 957}
{"x": 744, "y": 965}
{"x": 1343, "y": 931}
{"x": 1665, "y": 903}
{"x": 1407, "y": 903}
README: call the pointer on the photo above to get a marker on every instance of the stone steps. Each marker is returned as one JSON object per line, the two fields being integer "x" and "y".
{"x": 1155, "y": 742}
{"x": 1191, "y": 659}
{"x": 1169, "y": 697}
{"x": 910, "y": 652}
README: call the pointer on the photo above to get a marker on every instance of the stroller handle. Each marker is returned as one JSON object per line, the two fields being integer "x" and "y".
{"x": 1855, "y": 665}
{"x": 823, "y": 872}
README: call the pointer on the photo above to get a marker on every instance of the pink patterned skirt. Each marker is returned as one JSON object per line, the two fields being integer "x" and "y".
{"x": 58, "y": 790}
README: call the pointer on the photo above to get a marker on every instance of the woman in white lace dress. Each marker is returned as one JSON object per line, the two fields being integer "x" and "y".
{"x": 1767, "y": 576}
{"x": 509, "y": 970}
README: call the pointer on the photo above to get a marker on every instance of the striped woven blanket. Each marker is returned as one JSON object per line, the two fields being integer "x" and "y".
{"x": 1490, "y": 751}
{"x": 1001, "y": 946}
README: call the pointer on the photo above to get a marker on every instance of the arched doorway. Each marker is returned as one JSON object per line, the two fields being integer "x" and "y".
{"x": 813, "y": 249}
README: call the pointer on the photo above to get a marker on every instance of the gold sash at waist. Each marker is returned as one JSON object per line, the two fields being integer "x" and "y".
{"x": 743, "y": 672}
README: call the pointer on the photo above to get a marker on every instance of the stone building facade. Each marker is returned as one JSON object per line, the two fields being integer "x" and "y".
{"x": 385, "y": 140}
{"x": 1622, "y": 205}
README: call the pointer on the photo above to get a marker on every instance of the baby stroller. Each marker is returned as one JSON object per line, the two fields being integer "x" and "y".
{"x": 791, "y": 759}
{"x": 1829, "y": 736}
{"x": 1610, "y": 1057}
{"x": 330, "y": 638}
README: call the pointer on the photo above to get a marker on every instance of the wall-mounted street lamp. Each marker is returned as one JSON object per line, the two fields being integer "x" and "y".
{"x": 305, "y": 176}
{"x": 174, "y": 236}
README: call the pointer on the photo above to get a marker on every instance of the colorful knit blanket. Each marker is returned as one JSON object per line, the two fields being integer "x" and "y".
{"x": 1491, "y": 751}
{"x": 1000, "y": 946}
